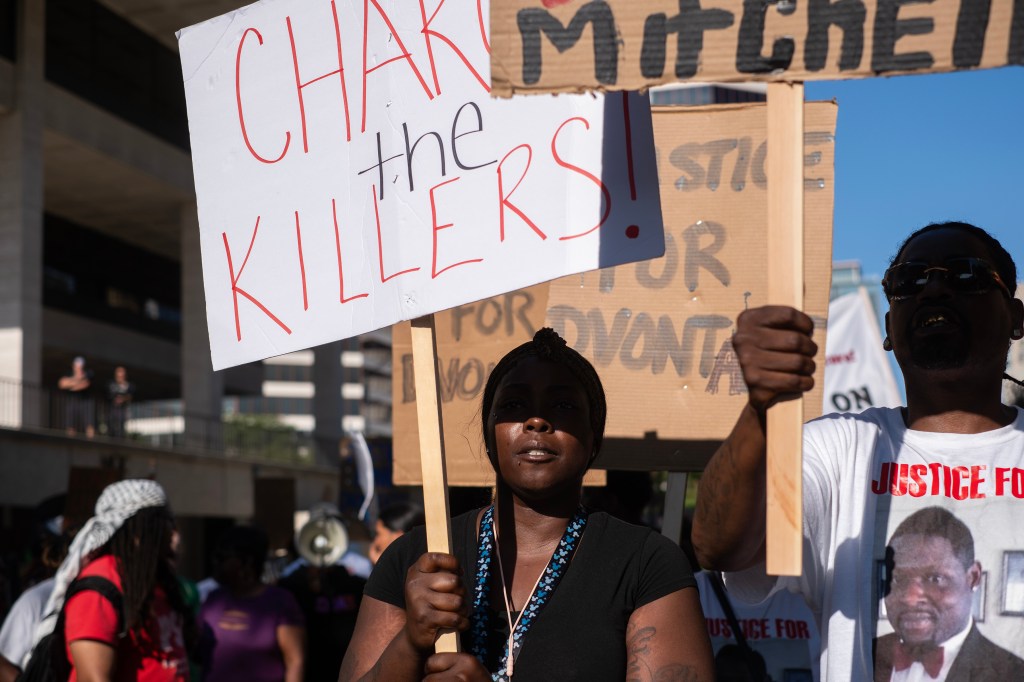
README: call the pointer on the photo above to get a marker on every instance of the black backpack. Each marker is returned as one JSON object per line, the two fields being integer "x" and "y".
{"x": 49, "y": 661}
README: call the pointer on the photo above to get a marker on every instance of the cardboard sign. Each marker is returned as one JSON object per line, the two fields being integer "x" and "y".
{"x": 571, "y": 45}
{"x": 471, "y": 339}
{"x": 352, "y": 171}
{"x": 658, "y": 332}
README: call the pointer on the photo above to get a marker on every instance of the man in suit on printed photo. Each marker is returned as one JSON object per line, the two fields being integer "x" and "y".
{"x": 929, "y": 596}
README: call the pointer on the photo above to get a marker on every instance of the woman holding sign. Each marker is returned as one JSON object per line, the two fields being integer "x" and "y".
{"x": 539, "y": 587}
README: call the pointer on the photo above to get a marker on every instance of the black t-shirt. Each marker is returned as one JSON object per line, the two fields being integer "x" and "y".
{"x": 581, "y": 632}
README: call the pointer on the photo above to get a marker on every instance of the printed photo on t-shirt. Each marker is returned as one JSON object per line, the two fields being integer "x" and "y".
{"x": 948, "y": 572}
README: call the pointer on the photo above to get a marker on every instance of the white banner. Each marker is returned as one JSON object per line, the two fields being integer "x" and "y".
{"x": 353, "y": 171}
{"x": 857, "y": 372}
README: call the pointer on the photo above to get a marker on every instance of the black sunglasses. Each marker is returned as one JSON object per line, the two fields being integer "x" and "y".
{"x": 963, "y": 275}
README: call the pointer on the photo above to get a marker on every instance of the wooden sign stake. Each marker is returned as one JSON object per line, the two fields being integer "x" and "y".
{"x": 785, "y": 166}
{"x": 435, "y": 479}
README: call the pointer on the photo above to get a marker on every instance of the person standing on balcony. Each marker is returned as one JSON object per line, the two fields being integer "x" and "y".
{"x": 120, "y": 392}
{"x": 79, "y": 411}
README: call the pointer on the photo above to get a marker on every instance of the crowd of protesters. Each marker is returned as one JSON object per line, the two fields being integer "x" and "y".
{"x": 108, "y": 602}
{"x": 546, "y": 583}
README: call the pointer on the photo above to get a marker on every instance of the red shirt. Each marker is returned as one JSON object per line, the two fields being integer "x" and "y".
{"x": 156, "y": 654}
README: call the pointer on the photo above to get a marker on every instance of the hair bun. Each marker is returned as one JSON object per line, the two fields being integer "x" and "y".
{"x": 548, "y": 343}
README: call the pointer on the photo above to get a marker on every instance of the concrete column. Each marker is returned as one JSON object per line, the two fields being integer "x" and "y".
{"x": 21, "y": 225}
{"x": 327, "y": 407}
{"x": 201, "y": 388}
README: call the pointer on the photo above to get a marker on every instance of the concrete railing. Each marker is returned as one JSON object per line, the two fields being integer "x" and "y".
{"x": 164, "y": 424}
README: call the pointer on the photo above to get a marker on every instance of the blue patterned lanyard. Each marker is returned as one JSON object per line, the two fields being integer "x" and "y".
{"x": 542, "y": 594}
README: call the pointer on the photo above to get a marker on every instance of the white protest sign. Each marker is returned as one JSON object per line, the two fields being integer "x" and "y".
{"x": 352, "y": 171}
{"x": 857, "y": 371}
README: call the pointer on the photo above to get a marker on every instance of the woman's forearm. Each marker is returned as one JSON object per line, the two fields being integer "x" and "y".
{"x": 399, "y": 661}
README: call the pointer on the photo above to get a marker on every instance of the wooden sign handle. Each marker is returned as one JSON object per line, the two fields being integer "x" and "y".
{"x": 785, "y": 166}
{"x": 431, "y": 432}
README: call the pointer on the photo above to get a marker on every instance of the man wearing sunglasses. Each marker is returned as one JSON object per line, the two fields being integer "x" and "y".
{"x": 955, "y": 445}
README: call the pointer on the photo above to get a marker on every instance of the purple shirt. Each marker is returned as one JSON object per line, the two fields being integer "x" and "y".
{"x": 240, "y": 635}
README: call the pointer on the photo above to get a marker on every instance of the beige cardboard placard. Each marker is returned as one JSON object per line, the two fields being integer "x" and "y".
{"x": 471, "y": 339}
{"x": 657, "y": 331}
{"x": 574, "y": 45}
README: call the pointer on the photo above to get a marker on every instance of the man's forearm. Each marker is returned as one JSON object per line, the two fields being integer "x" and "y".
{"x": 729, "y": 521}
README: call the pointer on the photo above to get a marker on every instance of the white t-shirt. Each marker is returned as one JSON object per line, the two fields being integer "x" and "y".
{"x": 863, "y": 475}
{"x": 781, "y": 628}
{"x": 19, "y": 629}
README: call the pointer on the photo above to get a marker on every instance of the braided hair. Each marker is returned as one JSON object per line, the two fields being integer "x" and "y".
{"x": 548, "y": 346}
{"x": 1001, "y": 259}
{"x": 140, "y": 547}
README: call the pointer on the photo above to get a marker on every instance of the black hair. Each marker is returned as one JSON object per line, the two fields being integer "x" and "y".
{"x": 401, "y": 517}
{"x": 248, "y": 543}
{"x": 140, "y": 546}
{"x": 1001, "y": 259}
{"x": 547, "y": 345}
{"x": 938, "y": 522}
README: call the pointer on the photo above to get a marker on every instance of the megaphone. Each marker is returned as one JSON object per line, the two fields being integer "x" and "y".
{"x": 323, "y": 539}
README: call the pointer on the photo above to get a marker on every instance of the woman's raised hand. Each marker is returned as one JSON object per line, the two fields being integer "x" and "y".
{"x": 434, "y": 599}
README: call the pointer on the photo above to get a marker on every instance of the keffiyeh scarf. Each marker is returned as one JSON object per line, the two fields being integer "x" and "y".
{"x": 119, "y": 502}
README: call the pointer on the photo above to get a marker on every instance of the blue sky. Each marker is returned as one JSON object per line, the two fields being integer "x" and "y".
{"x": 912, "y": 150}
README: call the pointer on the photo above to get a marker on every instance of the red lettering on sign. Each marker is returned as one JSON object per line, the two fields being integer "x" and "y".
{"x": 434, "y": 272}
{"x": 428, "y": 33}
{"x": 483, "y": 25}
{"x": 340, "y": 71}
{"x": 587, "y": 174}
{"x": 406, "y": 55}
{"x": 236, "y": 290}
{"x": 504, "y": 200}
{"x": 238, "y": 100}
{"x": 302, "y": 262}
{"x": 380, "y": 244}
{"x": 341, "y": 272}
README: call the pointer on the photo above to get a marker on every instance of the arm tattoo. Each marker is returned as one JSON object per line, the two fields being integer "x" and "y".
{"x": 637, "y": 667}
{"x": 637, "y": 639}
